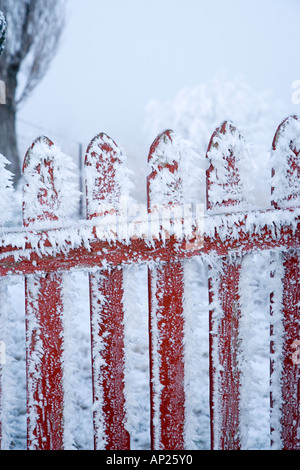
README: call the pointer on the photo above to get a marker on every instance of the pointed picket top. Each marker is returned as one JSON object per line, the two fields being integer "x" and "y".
{"x": 165, "y": 182}
{"x": 39, "y": 192}
{"x": 285, "y": 163}
{"x": 106, "y": 176}
{"x": 49, "y": 193}
{"x": 227, "y": 154}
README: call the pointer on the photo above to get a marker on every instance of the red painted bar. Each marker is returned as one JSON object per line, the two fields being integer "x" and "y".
{"x": 44, "y": 310}
{"x": 38, "y": 251}
{"x": 103, "y": 158}
{"x": 167, "y": 353}
{"x": 45, "y": 396}
{"x": 225, "y": 313}
{"x": 166, "y": 291}
{"x": 285, "y": 431}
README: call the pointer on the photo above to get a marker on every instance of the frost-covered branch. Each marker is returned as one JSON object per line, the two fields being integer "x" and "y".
{"x": 3, "y": 29}
{"x": 34, "y": 30}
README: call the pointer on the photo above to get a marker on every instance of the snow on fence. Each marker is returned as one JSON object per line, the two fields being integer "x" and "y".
{"x": 163, "y": 237}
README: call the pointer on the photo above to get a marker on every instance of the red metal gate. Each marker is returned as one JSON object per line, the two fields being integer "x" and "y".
{"x": 228, "y": 231}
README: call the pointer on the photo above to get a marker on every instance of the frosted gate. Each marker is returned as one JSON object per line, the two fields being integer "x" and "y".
{"x": 107, "y": 242}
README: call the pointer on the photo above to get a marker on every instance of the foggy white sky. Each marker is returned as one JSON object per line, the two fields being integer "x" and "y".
{"x": 116, "y": 55}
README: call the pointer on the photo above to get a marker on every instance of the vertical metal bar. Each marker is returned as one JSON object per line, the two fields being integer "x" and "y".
{"x": 225, "y": 374}
{"x": 104, "y": 190}
{"x": 45, "y": 395}
{"x": 166, "y": 319}
{"x": 223, "y": 194}
{"x": 285, "y": 299}
{"x": 44, "y": 310}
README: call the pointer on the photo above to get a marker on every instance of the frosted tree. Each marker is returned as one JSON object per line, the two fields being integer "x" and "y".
{"x": 196, "y": 112}
{"x": 3, "y": 28}
{"x": 34, "y": 28}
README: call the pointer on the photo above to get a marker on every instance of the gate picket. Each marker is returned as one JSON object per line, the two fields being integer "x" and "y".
{"x": 104, "y": 190}
{"x": 224, "y": 193}
{"x": 44, "y": 311}
{"x": 285, "y": 299}
{"x": 166, "y": 290}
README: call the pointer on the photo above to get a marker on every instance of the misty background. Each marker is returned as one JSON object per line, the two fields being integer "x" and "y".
{"x": 116, "y": 57}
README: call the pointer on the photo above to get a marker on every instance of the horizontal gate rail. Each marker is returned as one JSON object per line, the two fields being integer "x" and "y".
{"x": 65, "y": 248}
